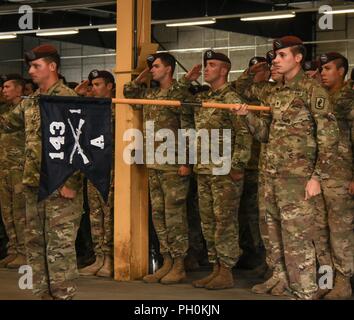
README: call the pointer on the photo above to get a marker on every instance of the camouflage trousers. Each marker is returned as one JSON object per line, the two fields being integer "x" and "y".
{"x": 290, "y": 221}
{"x": 248, "y": 213}
{"x": 263, "y": 228}
{"x": 195, "y": 234}
{"x": 219, "y": 199}
{"x": 101, "y": 219}
{"x": 321, "y": 233}
{"x": 168, "y": 195}
{"x": 51, "y": 231}
{"x": 340, "y": 207}
{"x": 13, "y": 210}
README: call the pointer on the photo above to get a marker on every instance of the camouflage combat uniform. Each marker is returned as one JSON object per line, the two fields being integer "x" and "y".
{"x": 263, "y": 90}
{"x": 219, "y": 195}
{"x": 52, "y": 224}
{"x": 168, "y": 190}
{"x": 339, "y": 202}
{"x": 302, "y": 136}
{"x": 11, "y": 189}
{"x": 245, "y": 87}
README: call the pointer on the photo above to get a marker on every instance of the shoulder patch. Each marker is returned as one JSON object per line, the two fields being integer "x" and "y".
{"x": 320, "y": 103}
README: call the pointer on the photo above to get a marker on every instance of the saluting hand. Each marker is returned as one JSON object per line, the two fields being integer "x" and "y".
{"x": 258, "y": 67}
{"x": 143, "y": 76}
{"x": 194, "y": 73}
{"x": 82, "y": 88}
{"x": 313, "y": 188}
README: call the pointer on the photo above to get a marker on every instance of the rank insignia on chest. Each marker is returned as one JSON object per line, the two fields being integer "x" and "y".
{"x": 277, "y": 104}
{"x": 320, "y": 102}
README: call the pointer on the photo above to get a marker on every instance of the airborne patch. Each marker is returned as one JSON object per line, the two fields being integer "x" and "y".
{"x": 320, "y": 103}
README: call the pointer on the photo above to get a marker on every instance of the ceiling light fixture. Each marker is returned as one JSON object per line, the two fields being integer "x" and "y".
{"x": 109, "y": 29}
{"x": 59, "y": 32}
{"x": 191, "y": 23}
{"x": 8, "y": 36}
{"x": 339, "y": 11}
{"x": 269, "y": 17}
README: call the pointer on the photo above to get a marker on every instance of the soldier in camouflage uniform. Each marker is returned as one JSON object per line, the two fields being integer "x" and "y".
{"x": 321, "y": 235}
{"x": 3, "y": 236}
{"x": 168, "y": 182}
{"x": 51, "y": 225}
{"x": 11, "y": 169}
{"x": 302, "y": 136}
{"x": 336, "y": 190}
{"x": 250, "y": 238}
{"x": 101, "y": 213}
{"x": 246, "y": 86}
{"x": 219, "y": 192}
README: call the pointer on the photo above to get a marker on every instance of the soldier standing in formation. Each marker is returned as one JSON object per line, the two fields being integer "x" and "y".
{"x": 302, "y": 136}
{"x": 219, "y": 193}
{"x": 101, "y": 213}
{"x": 337, "y": 190}
{"x": 52, "y": 224}
{"x": 11, "y": 188}
{"x": 168, "y": 183}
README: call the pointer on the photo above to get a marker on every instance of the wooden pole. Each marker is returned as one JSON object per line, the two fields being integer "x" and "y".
{"x": 131, "y": 241}
{"x": 177, "y": 103}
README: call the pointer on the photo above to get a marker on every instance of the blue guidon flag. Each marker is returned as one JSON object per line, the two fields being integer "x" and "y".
{"x": 76, "y": 135}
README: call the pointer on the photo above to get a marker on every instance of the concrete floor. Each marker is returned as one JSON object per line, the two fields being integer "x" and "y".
{"x": 95, "y": 288}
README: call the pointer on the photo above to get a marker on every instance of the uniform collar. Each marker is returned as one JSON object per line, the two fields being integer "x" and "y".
{"x": 219, "y": 90}
{"x": 173, "y": 84}
{"x": 294, "y": 82}
{"x": 50, "y": 90}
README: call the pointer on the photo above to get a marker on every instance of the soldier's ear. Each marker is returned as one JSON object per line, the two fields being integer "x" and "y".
{"x": 53, "y": 66}
{"x": 341, "y": 72}
{"x": 299, "y": 57}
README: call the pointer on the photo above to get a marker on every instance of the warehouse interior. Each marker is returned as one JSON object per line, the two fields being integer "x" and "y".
{"x": 92, "y": 42}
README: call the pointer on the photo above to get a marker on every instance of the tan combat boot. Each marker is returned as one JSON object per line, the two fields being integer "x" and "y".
{"x": 107, "y": 268}
{"x": 18, "y": 262}
{"x": 176, "y": 274}
{"x": 266, "y": 286}
{"x": 280, "y": 289}
{"x": 92, "y": 269}
{"x": 223, "y": 280}
{"x": 320, "y": 293}
{"x": 342, "y": 288}
{"x": 160, "y": 273}
{"x": 4, "y": 262}
{"x": 202, "y": 282}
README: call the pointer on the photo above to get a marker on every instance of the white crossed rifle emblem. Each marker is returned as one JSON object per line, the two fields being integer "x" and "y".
{"x": 77, "y": 146}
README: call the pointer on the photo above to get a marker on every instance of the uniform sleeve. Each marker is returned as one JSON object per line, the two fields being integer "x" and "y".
{"x": 327, "y": 132}
{"x": 14, "y": 120}
{"x": 259, "y": 125}
{"x": 133, "y": 90}
{"x": 186, "y": 115}
{"x": 242, "y": 83}
{"x": 350, "y": 118}
{"x": 243, "y": 140}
